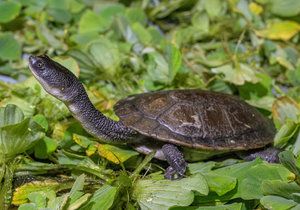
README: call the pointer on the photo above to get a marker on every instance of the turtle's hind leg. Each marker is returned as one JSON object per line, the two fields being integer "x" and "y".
{"x": 176, "y": 161}
{"x": 269, "y": 154}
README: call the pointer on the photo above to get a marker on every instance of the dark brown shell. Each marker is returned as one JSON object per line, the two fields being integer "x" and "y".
{"x": 197, "y": 119}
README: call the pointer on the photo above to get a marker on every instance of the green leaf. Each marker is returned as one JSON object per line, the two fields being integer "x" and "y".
{"x": 10, "y": 48}
{"x": 237, "y": 75}
{"x": 22, "y": 193}
{"x": 41, "y": 120}
{"x": 102, "y": 199}
{"x": 162, "y": 194}
{"x": 38, "y": 198}
{"x": 92, "y": 22}
{"x": 250, "y": 176}
{"x": 276, "y": 202}
{"x": 136, "y": 15}
{"x": 10, "y": 115}
{"x": 45, "y": 147}
{"x": 106, "y": 54}
{"x": 19, "y": 137}
{"x": 173, "y": 57}
{"x": 280, "y": 188}
{"x": 9, "y": 10}
{"x": 285, "y": 133}
{"x": 85, "y": 165}
{"x": 294, "y": 76}
{"x": 219, "y": 183}
{"x": 157, "y": 68}
{"x": 287, "y": 159}
{"x": 213, "y": 8}
{"x": 70, "y": 63}
{"x": 286, "y": 8}
{"x": 285, "y": 108}
{"x": 77, "y": 187}
{"x": 28, "y": 206}
{"x": 232, "y": 206}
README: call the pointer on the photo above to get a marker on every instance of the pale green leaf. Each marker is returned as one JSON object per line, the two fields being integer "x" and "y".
{"x": 276, "y": 202}
{"x": 10, "y": 115}
{"x": 285, "y": 8}
{"x": 162, "y": 194}
{"x": 238, "y": 74}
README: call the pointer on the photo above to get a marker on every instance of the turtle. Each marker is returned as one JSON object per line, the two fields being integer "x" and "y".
{"x": 178, "y": 125}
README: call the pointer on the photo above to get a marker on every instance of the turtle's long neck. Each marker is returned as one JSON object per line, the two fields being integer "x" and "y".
{"x": 94, "y": 122}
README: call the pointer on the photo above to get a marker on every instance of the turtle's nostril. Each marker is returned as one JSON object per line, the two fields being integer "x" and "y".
{"x": 32, "y": 59}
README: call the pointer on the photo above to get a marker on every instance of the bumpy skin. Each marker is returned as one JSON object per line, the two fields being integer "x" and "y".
{"x": 63, "y": 84}
{"x": 176, "y": 161}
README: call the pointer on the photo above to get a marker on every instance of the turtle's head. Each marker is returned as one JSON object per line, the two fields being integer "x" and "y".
{"x": 55, "y": 78}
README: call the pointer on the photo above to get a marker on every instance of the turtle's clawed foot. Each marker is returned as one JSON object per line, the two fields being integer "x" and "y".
{"x": 176, "y": 161}
{"x": 172, "y": 174}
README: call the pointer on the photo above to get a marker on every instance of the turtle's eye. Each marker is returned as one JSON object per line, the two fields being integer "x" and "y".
{"x": 40, "y": 65}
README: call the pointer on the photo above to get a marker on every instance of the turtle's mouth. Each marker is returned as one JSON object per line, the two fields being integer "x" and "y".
{"x": 31, "y": 61}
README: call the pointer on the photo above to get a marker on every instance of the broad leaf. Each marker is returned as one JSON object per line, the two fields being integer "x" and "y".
{"x": 162, "y": 194}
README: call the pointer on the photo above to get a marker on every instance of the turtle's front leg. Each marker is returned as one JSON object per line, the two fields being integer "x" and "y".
{"x": 176, "y": 161}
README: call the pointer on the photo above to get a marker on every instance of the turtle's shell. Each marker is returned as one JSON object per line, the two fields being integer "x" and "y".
{"x": 197, "y": 119}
